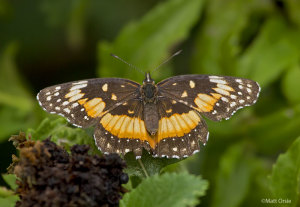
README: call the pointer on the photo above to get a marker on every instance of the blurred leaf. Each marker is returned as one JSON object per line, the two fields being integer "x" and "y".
{"x": 291, "y": 84}
{"x": 62, "y": 134}
{"x": 233, "y": 177}
{"x": 9, "y": 201}
{"x": 10, "y": 179}
{"x": 146, "y": 43}
{"x": 293, "y": 7}
{"x": 15, "y": 100}
{"x": 217, "y": 43}
{"x": 271, "y": 53}
{"x": 276, "y": 131}
{"x": 285, "y": 177}
{"x": 7, "y": 197}
{"x": 56, "y": 12}
{"x": 176, "y": 190}
{"x": 76, "y": 25}
{"x": 16, "y": 95}
{"x": 152, "y": 165}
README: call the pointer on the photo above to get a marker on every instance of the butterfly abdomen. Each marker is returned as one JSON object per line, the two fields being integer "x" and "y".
{"x": 151, "y": 118}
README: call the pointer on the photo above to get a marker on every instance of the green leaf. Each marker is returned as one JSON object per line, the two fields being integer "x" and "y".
{"x": 217, "y": 43}
{"x": 146, "y": 43}
{"x": 7, "y": 197}
{"x": 17, "y": 104}
{"x": 176, "y": 190}
{"x": 272, "y": 52}
{"x": 9, "y": 201}
{"x": 293, "y": 7}
{"x": 285, "y": 177}
{"x": 10, "y": 179}
{"x": 151, "y": 165}
{"x": 62, "y": 134}
{"x": 233, "y": 177}
{"x": 291, "y": 84}
{"x": 278, "y": 128}
{"x": 17, "y": 94}
{"x": 77, "y": 23}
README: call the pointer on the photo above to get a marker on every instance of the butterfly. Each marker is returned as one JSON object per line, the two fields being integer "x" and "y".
{"x": 165, "y": 118}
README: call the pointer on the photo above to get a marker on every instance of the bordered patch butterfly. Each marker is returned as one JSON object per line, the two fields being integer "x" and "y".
{"x": 163, "y": 118}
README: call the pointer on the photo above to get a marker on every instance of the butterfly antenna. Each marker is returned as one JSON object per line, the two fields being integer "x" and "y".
{"x": 130, "y": 65}
{"x": 167, "y": 60}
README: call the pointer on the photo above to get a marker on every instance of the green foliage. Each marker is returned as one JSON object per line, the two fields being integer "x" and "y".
{"x": 15, "y": 99}
{"x": 291, "y": 84}
{"x": 272, "y": 52}
{"x": 152, "y": 165}
{"x": 253, "y": 39}
{"x": 285, "y": 177}
{"x": 176, "y": 190}
{"x": 233, "y": 177}
{"x": 7, "y": 200}
{"x": 10, "y": 179}
{"x": 146, "y": 43}
{"x": 7, "y": 196}
{"x": 62, "y": 133}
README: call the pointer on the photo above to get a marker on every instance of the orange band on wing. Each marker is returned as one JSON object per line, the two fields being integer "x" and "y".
{"x": 205, "y": 102}
{"x": 177, "y": 125}
{"x": 123, "y": 126}
{"x": 93, "y": 107}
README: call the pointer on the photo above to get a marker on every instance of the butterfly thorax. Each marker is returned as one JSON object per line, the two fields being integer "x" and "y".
{"x": 149, "y": 90}
{"x": 149, "y": 96}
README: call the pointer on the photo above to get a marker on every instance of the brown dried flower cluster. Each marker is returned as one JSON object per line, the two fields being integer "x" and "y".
{"x": 49, "y": 176}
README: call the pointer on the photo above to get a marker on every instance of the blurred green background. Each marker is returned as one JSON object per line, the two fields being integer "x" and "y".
{"x": 48, "y": 42}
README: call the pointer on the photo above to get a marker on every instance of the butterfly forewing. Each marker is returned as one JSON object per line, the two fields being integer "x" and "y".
{"x": 83, "y": 102}
{"x": 216, "y": 97}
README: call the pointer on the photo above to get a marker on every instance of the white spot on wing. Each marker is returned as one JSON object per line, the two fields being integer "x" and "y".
{"x": 224, "y": 99}
{"x": 67, "y": 110}
{"x": 80, "y": 82}
{"x": 104, "y": 87}
{"x": 75, "y": 105}
{"x": 192, "y": 84}
{"x": 218, "y": 81}
{"x": 65, "y": 103}
{"x": 232, "y": 104}
{"x": 75, "y": 87}
{"x": 233, "y": 96}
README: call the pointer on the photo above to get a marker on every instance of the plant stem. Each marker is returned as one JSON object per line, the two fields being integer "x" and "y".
{"x": 142, "y": 165}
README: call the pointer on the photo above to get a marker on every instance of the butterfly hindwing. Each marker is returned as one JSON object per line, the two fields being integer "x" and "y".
{"x": 123, "y": 130}
{"x": 83, "y": 102}
{"x": 180, "y": 129}
{"x": 216, "y": 97}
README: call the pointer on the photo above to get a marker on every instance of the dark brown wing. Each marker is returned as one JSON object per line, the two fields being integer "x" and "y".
{"x": 84, "y": 102}
{"x": 180, "y": 129}
{"x": 216, "y": 97}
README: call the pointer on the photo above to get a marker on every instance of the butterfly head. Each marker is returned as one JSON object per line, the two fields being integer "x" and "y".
{"x": 149, "y": 89}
